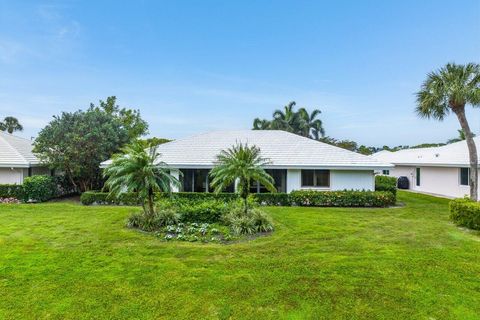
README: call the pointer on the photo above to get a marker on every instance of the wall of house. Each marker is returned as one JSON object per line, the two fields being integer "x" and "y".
{"x": 11, "y": 175}
{"x": 339, "y": 180}
{"x": 16, "y": 175}
{"x": 436, "y": 180}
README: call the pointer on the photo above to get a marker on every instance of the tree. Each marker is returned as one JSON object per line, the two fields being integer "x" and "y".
{"x": 261, "y": 124}
{"x": 10, "y": 124}
{"x": 450, "y": 89}
{"x": 242, "y": 164}
{"x": 309, "y": 124}
{"x": 299, "y": 122}
{"x": 129, "y": 118}
{"x": 461, "y": 137}
{"x": 139, "y": 170}
{"x": 153, "y": 141}
{"x": 76, "y": 143}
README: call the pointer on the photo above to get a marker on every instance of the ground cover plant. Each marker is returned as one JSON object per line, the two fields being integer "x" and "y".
{"x": 68, "y": 261}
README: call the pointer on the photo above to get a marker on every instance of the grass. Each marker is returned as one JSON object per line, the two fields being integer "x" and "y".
{"x": 66, "y": 261}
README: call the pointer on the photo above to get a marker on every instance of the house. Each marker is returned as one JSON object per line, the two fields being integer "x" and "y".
{"x": 438, "y": 170}
{"x": 295, "y": 162}
{"x": 17, "y": 160}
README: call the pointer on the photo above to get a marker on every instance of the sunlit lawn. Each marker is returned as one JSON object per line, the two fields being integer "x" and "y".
{"x": 67, "y": 261}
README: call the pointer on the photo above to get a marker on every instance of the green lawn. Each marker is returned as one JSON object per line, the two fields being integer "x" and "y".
{"x": 66, "y": 261}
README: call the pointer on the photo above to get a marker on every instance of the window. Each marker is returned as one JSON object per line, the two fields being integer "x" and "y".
{"x": 386, "y": 172}
{"x": 464, "y": 176}
{"x": 316, "y": 178}
{"x": 418, "y": 177}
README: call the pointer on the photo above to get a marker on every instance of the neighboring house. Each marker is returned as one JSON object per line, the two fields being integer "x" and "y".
{"x": 295, "y": 162}
{"x": 439, "y": 170}
{"x": 17, "y": 160}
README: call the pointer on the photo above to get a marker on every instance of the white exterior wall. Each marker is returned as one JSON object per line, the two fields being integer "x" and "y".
{"x": 16, "y": 175}
{"x": 11, "y": 175}
{"x": 443, "y": 181}
{"x": 339, "y": 180}
{"x": 352, "y": 180}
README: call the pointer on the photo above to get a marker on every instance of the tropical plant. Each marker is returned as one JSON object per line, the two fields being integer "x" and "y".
{"x": 10, "y": 124}
{"x": 241, "y": 164}
{"x": 450, "y": 89}
{"x": 310, "y": 125}
{"x": 460, "y": 137}
{"x": 299, "y": 122}
{"x": 139, "y": 170}
{"x": 261, "y": 124}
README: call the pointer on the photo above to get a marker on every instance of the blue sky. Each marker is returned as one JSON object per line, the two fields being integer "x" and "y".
{"x": 194, "y": 66}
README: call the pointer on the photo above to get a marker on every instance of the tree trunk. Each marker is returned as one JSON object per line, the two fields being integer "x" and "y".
{"x": 472, "y": 150}
{"x": 246, "y": 204}
{"x": 150, "y": 202}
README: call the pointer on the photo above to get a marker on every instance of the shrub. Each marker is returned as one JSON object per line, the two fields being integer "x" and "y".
{"x": 272, "y": 199}
{"x": 386, "y": 183}
{"x": 11, "y": 191}
{"x": 255, "y": 220}
{"x": 312, "y": 198}
{"x": 207, "y": 211}
{"x": 39, "y": 188}
{"x": 465, "y": 213}
{"x": 94, "y": 197}
{"x": 165, "y": 217}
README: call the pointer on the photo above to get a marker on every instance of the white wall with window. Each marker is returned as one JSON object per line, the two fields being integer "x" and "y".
{"x": 330, "y": 179}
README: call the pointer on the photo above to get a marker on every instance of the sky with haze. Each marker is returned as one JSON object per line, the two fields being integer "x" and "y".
{"x": 195, "y": 66}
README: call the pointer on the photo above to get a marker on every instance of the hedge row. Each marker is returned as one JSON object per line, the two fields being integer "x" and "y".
{"x": 299, "y": 198}
{"x": 131, "y": 199}
{"x": 465, "y": 213}
{"x": 37, "y": 189}
{"x": 386, "y": 183}
{"x": 11, "y": 191}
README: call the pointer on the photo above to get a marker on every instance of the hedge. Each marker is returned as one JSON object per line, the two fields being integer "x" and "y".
{"x": 11, "y": 191}
{"x": 386, "y": 183}
{"x": 301, "y": 198}
{"x": 465, "y": 213}
{"x": 346, "y": 198}
{"x": 102, "y": 198}
{"x": 38, "y": 188}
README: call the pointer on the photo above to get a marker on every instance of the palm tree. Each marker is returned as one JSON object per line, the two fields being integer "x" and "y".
{"x": 311, "y": 127}
{"x": 242, "y": 164}
{"x": 287, "y": 119}
{"x": 10, "y": 124}
{"x": 449, "y": 90}
{"x": 138, "y": 170}
{"x": 261, "y": 124}
{"x": 461, "y": 137}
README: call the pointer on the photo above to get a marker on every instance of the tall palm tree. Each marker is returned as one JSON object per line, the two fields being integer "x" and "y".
{"x": 10, "y": 124}
{"x": 286, "y": 119}
{"x": 261, "y": 124}
{"x": 242, "y": 164}
{"x": 138, "y": 170}
{"x": 450, "y": 89}
{"x": 311, "y": 127}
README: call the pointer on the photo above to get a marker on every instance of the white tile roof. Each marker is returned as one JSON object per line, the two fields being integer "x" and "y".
{"x": 283, "y": 149}
{"x": 451, "y": 155}
{"x": 16, "y": 152}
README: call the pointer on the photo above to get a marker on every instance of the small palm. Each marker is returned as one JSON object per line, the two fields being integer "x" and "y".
{"x": 242, "y": 164}
{"x": 138, "y": 170}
